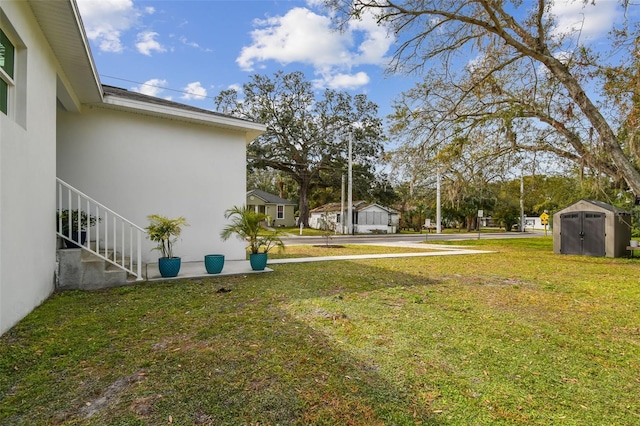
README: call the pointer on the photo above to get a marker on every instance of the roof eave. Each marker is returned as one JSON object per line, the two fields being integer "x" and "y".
{"x": 61, "y": 24}
{"x": 252, "y": 130}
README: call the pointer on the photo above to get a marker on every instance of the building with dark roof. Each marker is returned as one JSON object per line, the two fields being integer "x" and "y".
{"x": 281, "y": 212}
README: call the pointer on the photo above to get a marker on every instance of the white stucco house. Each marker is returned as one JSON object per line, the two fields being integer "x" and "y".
{"x": 134, "y": 154}
{"x": 367, "y": 217}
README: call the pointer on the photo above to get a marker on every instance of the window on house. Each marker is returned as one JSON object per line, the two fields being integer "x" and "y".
{"x": 7, "y": 54}
{"x": 280, "y": 212}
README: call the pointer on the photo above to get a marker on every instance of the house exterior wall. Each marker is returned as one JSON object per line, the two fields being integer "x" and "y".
{"x": 27, "y": 171}
{"x": 374, "y": 219}
{"x": 316, "y": 220}
{"x": 533, "y": 223}
{"x": 371, "y": 219}
{"x": 139, "y": 165}
{"x": 288, "y": 220}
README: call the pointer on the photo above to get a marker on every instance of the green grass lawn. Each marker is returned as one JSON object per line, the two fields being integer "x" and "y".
{"x": 310, "y": 232}
{"x": 334, "y": 248}
{"x": 521, "y": 336}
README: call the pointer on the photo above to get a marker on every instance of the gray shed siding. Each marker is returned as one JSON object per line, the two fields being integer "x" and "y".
{"x": 617, "y": 226}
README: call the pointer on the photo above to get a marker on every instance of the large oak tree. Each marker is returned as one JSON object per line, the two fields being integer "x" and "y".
{"x": 505, "y": 68}
{"x": 305, "y": 136}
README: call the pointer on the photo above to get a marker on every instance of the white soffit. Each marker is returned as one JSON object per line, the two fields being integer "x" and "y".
{"x": 62, "y": 26}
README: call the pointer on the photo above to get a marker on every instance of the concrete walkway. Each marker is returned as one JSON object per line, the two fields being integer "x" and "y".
{"x": 242, "y": 267}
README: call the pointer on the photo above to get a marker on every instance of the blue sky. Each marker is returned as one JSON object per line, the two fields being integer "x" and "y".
{"x": 189, "y": 50}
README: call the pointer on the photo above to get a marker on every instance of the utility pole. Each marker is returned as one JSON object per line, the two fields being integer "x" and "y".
{"x": 438, "y": 211}
{"x": 342, "y": 222}
{"x": 350, "y": 188}
{"x": 522, "y": 201}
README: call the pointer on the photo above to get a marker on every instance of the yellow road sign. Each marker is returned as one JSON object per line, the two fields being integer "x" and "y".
{"x": 544, "y": 220}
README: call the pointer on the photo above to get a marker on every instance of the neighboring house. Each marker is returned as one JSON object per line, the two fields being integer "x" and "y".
{"x": 135, "y": 154}
{"x": 280, "y": 211}
{"x": 367, "y": 217}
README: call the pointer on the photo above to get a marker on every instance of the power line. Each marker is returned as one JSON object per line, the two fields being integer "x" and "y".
{"x": 158, "y": 87}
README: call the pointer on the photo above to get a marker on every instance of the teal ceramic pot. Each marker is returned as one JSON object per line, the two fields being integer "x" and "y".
{"x": 214, "y": 263}
{"x": 258, "y": 261}
{"x": 169, "y": 266}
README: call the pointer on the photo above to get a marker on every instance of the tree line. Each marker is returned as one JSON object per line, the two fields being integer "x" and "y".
{"x": 502, "y": 89}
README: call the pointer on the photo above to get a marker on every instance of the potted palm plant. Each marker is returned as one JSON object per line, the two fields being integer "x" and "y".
{"x": 69, "y": 221}
{"x": 246, "y": 224}
{"x": 165, "y": 232}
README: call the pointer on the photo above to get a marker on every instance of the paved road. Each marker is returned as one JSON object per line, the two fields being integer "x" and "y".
{"x": 413, "y": 238}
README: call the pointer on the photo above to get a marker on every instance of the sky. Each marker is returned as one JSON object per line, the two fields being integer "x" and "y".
{"x": 189, "y": 50}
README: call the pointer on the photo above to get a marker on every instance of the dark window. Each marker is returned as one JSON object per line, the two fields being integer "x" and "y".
{"x": 7, "y": 55}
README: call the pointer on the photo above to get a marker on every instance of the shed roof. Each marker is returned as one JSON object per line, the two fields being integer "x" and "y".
{"x": 602, "y": 205}
{"x": 269, "y": 198}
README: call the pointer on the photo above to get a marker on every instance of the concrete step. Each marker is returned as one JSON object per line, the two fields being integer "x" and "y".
{"x": 80, "y": 269}
{"x": 96, "y": 275}
{"x": 130, "y": 278}
{"x": 115, "y": 257}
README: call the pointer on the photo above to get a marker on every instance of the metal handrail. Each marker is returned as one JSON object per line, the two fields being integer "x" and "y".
{"x": 119, "y": 235}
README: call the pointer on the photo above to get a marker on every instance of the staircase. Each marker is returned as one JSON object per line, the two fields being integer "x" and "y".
{"x": 79, "y": 269}
{"x": 111, "y": 256}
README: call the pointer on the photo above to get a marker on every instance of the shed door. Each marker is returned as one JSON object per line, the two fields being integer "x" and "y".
{"x": 582, "y": 233}
{"x": 594, "y": 233}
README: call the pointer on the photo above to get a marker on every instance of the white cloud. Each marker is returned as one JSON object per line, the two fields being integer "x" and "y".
{"x": 236, "y": 87}
{"x": 106, "y": 20}
{"x": 194, "y": 91}
{"x": 341, "y": 81}
{"x": 315, "y": 3}
{"x": 304, "y": 36}
{"x": 153, "y": 87}
{"x": 591, "y": 20}
{"x": 146, "y": 43}
{"x": 186, "y": 42}
{"x": 298, "y": 36}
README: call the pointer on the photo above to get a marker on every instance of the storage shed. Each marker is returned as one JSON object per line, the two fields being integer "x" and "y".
{"x": 592, "y": 228}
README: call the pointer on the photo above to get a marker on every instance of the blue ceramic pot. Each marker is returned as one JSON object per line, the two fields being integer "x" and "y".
{"x": 258, "y": 261}
{"x": 169, "y": 266}
{"x": 214, "y": 263}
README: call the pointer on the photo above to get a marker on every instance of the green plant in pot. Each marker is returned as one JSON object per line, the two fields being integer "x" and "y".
{"x": 69, "y": 221}
{"x": 165, "y": 232}
{"x": 246, "y": 224}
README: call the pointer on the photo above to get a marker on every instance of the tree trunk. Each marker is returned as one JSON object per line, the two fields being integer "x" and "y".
{"x": 470, "y": 223}
{"x": 303, "y": 205}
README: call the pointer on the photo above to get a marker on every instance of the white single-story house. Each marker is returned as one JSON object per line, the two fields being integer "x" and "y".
{"x": 531, "y": 223}
{"x": 133, "y": 154}
{"x": 281, "y": 212}
{"x": 367, "y": 217}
